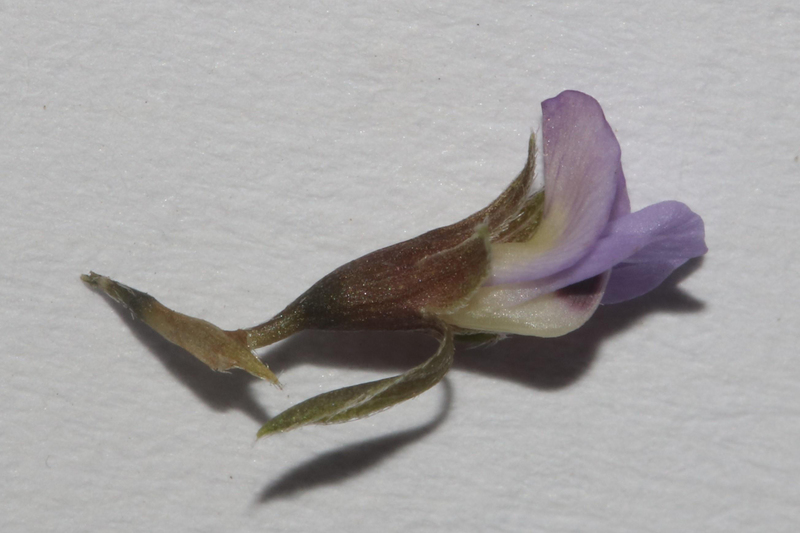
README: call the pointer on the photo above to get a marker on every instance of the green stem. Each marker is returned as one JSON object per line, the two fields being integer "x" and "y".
{"x": 284, "y": 324}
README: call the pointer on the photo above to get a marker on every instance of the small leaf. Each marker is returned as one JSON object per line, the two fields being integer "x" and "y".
{"x": 359, "y": 401}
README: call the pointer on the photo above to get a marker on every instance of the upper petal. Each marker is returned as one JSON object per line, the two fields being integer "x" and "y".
{"x": 583, "y": 184}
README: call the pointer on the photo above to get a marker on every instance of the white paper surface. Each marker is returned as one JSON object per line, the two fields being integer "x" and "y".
{"x": 223, "y": 156}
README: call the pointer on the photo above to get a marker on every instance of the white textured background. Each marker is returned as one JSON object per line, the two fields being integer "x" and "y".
{"x": 225, "y": 155}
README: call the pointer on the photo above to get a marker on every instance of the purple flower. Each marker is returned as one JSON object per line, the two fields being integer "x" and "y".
{"x": 531, "y": 263}
{"x": 588, "y": 247}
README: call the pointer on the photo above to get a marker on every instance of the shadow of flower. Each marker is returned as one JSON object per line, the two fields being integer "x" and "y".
{"x": 551, "y": 364}
{"x": 547, "y": 364}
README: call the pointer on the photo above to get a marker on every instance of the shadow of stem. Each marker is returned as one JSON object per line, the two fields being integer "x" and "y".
{"x": 547, "y": 364}
{"x": 338, "y": 465}
{"x": 221, "y": 391}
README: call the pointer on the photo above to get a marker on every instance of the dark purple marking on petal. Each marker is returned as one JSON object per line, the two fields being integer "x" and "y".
{"x": 584, "y": 294}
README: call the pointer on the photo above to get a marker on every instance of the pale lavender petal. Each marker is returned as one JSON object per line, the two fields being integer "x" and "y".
{"x": 651, "y": 264}
{"x": 583, "y": 185}
{"x": 646, "y": 246}
{"x": 655, "y": 241}
{"x": 639, "y": 250}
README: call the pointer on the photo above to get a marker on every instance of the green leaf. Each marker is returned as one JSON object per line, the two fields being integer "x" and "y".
{"x": 359, "y": 401}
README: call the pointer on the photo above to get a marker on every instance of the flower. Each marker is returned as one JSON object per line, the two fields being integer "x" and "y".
{"x": 531, "y": 263}
{"x": 588, "y": 248}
